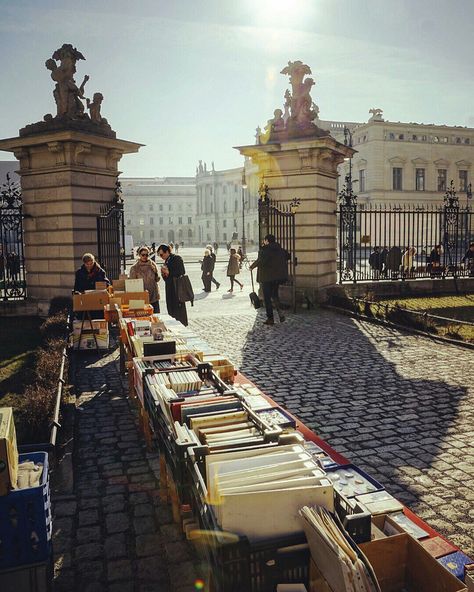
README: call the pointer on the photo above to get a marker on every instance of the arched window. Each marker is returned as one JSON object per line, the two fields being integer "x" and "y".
{"x": 225, "y": 207}
{"x": 190, "y": 233}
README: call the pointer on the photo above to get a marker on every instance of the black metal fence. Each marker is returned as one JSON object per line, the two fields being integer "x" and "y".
{"x": 400, "y": 242}
{"x": 279, "y": 219}
{"x": 12, "y": 253}
{"x": 111, "y": 236}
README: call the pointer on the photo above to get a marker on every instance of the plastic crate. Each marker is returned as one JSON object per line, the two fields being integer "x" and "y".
{"x": 25, "y": 520}
{"x": 28, "y": 578}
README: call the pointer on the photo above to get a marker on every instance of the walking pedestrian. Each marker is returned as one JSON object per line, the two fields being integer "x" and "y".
{"x": 233, "y": 268}
{"x": 147, "y": 270}
{"x": 272, "y": 263}
{"x": 434, "y": 263}
{"x": 173, "y": 268}
{"x": 215, "y": 246}
{"x": 408, "y": 263}
{"x": 240, "y": 253}
{"x": 213, "y": 257}
{"x": 207, "y": 266}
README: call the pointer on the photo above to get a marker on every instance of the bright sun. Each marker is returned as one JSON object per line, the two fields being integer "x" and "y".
{"x": 279, "y": 13}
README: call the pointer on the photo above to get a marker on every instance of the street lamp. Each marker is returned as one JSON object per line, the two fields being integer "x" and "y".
{"x": 244, "y": 187}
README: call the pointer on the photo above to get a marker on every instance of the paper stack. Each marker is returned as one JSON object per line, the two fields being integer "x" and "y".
{"x": 257, "y": 492}
{"x": 337, "y": 557}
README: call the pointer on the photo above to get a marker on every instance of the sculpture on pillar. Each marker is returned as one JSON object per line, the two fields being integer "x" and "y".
{"x": 297, "y": 119}
{"x": 377, "y": 114}
{"x": 69, "y": 98}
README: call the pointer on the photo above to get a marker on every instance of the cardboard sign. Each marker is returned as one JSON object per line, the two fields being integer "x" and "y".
{"x": 93, "y": 300}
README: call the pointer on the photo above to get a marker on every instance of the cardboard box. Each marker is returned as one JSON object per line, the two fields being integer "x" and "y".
{"x": 101, "y": 285}
{"x": 125, "y": 297}
{"x": 94, "y": 300}
{"x": 402, "y": 564}
{"x": 8, "y": 451}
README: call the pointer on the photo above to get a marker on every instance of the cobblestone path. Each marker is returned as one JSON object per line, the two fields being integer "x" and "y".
{"x": 399, "y": 406}
{"x": 115, "y": 535}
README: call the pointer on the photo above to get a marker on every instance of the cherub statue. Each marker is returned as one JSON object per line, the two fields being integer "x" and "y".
{"x": 301, "y": 102}
{"x": 67, "y": 95}
{"x": 94, "y": 107}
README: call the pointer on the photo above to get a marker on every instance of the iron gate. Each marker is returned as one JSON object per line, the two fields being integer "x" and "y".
{"x": 111, "y": 236}
{"x": 12, "y": 252}
{"x": 375, "y": 240}
{"x": 279, "y": 219}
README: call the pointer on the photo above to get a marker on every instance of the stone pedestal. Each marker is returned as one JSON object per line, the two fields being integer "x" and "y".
{"x": 65, "y": 177}
{"x": 306, "y": 169}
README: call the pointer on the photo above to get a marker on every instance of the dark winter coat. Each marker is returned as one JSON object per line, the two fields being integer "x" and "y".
{"x": 176, "y": 309}
{"x": 86, "y": 281}
{"x": 272, "y": 264}
{"x": 207, "y": 266}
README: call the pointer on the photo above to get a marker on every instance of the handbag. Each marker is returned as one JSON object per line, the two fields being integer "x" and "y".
{"x": 184, "y": 289}
{"x": 254, "y": 299}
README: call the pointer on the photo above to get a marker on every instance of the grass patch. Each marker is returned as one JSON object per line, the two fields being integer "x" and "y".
{"x": 460, "y": 308}
{"x": 29, "y": 372}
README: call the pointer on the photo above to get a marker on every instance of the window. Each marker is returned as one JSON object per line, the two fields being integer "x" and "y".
{"x": 362, "y": 180}
{"x": 391, "y": 136}
{"x": 170, "y": 220}
{"x": 170, "y": 207}
{"x": 190, "y": 220}
{"x": 224, "y": 236}
{"x": 152, "y": 234}
{"x": 444, "y": 139}
{"x": 151, "y": 221}
{"x": 442, "y": 177}
{"x": 142, "y": 221}
{"x": 150, "y": 207}
{"x": 142, "y": 234}
{"x": 401, "y": 137}
{"x": 225, "y": 207}
{"x": 236, "y": 188}
{"x": 435, "y": 139}
{"x": 212, "y": 208}
{"x": 224, "y": 223}
{"x": 236, "y": 205}
{"x": 160, "y": 207}
{"x": 397, "y": 179}
{"x": 208, "y": 224}
{"x": 414, "y": 137}
{"x": 420, "y": 179}
{"x": 210, "y": 190}
{"x": 458, "y": 140}
{"x": 467, "y": 141}
{"x": 161, "y": 221}
{"x": 224, "y": 189}
{"x": 190, "y": 233}
{"x": 180, "y": 220}
{"x": 423, "y": 138}
{"x": 463, "y": 181}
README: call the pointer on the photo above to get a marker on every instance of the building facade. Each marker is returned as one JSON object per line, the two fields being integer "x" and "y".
{"x": 225, "y": 207}
{"x": 409, "y": 163}
{"x": 160, "y": 209}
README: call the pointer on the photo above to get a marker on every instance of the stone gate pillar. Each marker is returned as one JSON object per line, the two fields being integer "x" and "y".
{"x": 68, "y": 169}
{"x": 298, "y": 160}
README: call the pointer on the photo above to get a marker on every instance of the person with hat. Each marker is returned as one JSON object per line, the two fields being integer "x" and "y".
{"x": 147, "y": 270}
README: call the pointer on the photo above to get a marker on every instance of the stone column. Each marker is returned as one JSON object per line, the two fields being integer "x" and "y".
{"x": 66, "y": 175}
{"x": 306, "y": 169}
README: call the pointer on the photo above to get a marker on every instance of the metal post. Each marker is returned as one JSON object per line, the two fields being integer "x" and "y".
{"x": 244, "y": 186}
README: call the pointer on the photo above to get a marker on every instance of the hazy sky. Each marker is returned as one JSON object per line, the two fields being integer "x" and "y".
{"x": 192, "y": 78}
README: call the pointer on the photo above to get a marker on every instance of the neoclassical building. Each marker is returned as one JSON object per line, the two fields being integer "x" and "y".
{"x": 411, "y": 163}
{"x": 221, "y": 200}
{"x": 160, "y": 209}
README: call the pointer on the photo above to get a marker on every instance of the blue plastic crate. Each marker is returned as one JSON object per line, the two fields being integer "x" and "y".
{"x": 25, "y": 520}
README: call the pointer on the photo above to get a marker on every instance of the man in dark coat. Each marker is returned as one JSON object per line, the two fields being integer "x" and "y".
{"x": 272, "y": 266}
{"x": 173, "y": 267}
{"x": 88, "y": 274}
{"x": 212, "y": 279}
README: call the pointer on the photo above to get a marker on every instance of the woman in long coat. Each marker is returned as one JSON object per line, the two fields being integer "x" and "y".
{"x": 173, "y": 267}
{"x": 233, "y": 268}
{"x": 147, "y": 270}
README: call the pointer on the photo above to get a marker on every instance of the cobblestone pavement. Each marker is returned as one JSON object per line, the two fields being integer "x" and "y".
{"x": 400, "y": 406}
{"x": 115, "y": 535}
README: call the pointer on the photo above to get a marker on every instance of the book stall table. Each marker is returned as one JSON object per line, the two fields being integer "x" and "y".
{"x": 265, "y": 499}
